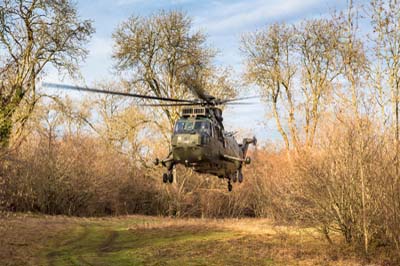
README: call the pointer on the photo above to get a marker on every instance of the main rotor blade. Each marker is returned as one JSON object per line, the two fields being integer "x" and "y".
{"x": 238, "y": 99}
{"x": 170, "y": 104}
{"x": 230, "y": 103}
{"x": 191, "y": 104}
{"x": 78, "y": 88}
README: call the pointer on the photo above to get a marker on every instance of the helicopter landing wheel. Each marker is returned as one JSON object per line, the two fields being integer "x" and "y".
{"x": 165, "y": 177}
{"x": 170, "y": 177}
{"x": 240, "y": 176}
{"x": 229, "y": 186}
{"x": 234, "y": 178}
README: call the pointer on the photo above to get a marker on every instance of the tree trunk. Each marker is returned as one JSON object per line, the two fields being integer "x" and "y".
{"x": 279, "y": 125}
{"x": 6, "y": 124}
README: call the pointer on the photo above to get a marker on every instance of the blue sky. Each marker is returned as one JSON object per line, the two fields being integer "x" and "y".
{"x": 223, "y": 21}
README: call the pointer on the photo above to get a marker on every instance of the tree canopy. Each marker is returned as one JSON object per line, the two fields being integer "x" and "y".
{"x": 34, "y": 34}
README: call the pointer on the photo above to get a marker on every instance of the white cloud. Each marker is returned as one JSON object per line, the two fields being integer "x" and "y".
{"x": 100, "y": 46}
{"x": 129, "y": 2}
{"x": 180, "y": 2}
{"x": 227, "y": 17}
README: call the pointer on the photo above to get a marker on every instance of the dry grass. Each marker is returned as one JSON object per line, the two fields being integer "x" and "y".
{"x": 142, "y": 240}
{"x": 23, "y": 237}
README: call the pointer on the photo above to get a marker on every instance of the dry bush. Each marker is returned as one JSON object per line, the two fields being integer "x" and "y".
{"x": 79, "y": 175}
{"x": 74, "y": 176}
{"x": 199, "y": 195}
{"x": 352, "y": 184}
{"x": 270, "y": 189}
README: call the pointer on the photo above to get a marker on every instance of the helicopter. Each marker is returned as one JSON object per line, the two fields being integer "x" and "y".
{"x": 199, "y": 140}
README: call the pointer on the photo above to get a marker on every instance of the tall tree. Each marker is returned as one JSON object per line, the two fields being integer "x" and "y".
{"x": 385, "y": 19}
{"x": 162, "y": 55}
{"x": 279, "y": 58}
{"x": 270, "y": 65}
{"x": 317, "y": 43}
{"x": 33, "y": 34}
{"x": 354, "y": 66}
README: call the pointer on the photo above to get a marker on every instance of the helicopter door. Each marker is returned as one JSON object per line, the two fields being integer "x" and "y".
{"x": 219, "y": 135}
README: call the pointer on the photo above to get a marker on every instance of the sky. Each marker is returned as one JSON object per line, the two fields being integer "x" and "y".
{"x": 223, "y": 21}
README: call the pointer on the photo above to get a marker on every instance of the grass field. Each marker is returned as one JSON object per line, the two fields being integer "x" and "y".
{"x": 142, "y": 240}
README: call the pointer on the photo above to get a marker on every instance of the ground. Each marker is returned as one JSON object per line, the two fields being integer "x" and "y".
{"x": 142, "y": 240}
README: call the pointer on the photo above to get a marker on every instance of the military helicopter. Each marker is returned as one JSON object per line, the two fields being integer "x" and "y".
{"x": 199, "y": 140}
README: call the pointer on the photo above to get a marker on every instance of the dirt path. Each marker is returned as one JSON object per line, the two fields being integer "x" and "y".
{"x": 53, "y": 256}
{"x": 107, "y": 245}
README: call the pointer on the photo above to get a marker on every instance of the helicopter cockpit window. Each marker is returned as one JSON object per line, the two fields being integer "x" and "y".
{"x": 203, "y": 127}
{"x": 193, "y": 127}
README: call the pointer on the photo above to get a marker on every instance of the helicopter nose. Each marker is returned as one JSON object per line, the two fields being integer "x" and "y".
{"x": 188, "y": 155}
{"x": 186, "y": 140}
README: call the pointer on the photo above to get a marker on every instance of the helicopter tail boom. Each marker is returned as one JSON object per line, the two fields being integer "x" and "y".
{"x": 246, "y": 143}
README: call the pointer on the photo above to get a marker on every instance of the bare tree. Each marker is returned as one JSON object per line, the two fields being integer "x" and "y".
{"x": 273, "y": 58}
{"x": 162, "y": 55}
{"x": 121, "y": 124}
{"x": 270, "y": 65}
{"x": 34, "y": 34}
{"x": 317, "y": 43}
{"x": 354, "y": 66}
{"x": 385, "y": 19}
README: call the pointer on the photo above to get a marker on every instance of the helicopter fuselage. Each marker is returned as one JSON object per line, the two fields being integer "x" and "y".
{"x": 205, "y": 147}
